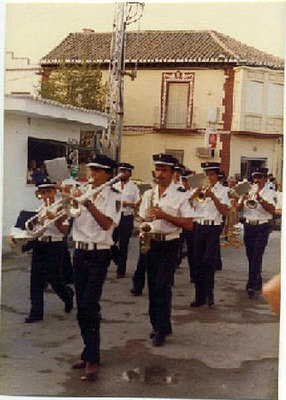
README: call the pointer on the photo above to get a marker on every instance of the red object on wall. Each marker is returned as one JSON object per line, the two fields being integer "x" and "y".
{"x": 212, "y": 140}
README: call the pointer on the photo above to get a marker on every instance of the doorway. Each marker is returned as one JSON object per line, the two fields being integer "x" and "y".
{"x": 251, "y": 164}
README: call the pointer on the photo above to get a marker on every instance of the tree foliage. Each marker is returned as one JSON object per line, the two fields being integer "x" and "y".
{"x": 79, "y": 86}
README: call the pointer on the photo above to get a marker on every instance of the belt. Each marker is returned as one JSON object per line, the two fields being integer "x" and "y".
{"x": 255, "y": 221}
{"x": 125, "y": 213}
{"x": 165, "y": 237}
{"x": 90, "y": 246}
{"x": 50, "y": 239}
{"x": 208, "y": 222}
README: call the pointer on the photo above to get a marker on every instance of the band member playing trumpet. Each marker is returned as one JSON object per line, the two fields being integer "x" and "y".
{"x": 258, "y": 207}
{"x": 209, "y": 206}
{"x": 46, "y": 260}
{"x": 168, "y": 210}
{"x": 122, "y": 234}
{"x": 92, "y": 233}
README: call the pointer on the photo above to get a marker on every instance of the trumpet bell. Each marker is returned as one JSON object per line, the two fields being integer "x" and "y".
{"x": 252, "y": 204}
{"x": 18, "y": 238}
{"x": 200, "y": 197}
{"x": 74, "y": 212}
{"x": 146, "y": 227}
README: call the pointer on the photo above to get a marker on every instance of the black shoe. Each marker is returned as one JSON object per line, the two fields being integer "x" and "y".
{"x": 210, "y": 301}
{"x": 159, "y": 339}
{"x": 136, "y": 292}
{"x": 153, "y": 334}
{"x": 197, "y": 303}
{"x": 250, "y": 293}
{"x": 69, "y": 302}
{"x": 30, "y": 319}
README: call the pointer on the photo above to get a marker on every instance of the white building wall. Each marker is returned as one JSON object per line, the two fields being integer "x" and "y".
{"x": 21, "y": 75}
{"x": 254, "y": 148}
{"x": 258, "y": 100}
{"x": 17, "y": 195}
{"x": 138, "y": 148}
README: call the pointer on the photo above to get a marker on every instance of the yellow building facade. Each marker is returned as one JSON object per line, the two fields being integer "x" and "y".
{"x": 256, "y": 126}
{"x": 189, "y": 82}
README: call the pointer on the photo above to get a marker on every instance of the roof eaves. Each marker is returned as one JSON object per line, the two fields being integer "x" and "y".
{"x": 58, "y": 104}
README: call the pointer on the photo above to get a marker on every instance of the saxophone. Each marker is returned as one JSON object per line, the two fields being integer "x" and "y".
{"x": 146, "y": 230}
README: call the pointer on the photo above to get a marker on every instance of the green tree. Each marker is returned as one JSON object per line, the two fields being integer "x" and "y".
{"x": 79, "y": 86}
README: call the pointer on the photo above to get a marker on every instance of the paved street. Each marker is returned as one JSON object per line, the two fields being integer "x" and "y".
{"x": 227, "y": 352}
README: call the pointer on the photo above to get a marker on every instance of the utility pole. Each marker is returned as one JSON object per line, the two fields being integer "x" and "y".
{"x": 125, "y": 14}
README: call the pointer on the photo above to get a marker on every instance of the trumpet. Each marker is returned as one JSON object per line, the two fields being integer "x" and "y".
{"x": 199, "y": 194}
{"x": 76, "y": 202}
{"x": 251, "y": 202}
{"x": 146, "y": 229}
{"x": 37, "y": 225}
{"x": 70, "y": 207}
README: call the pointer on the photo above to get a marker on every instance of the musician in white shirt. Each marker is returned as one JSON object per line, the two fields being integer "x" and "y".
{"x": 208, "y": 220}
{"x": 92, "y": 234}
{"x": 47, "y": 258}
{"x": 258, "y": 208}
{"x": 168, "y": 208}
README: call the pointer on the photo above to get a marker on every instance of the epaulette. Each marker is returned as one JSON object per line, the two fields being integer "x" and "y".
{"x": 181, "y": 189}
{"x": 115, "y": 190}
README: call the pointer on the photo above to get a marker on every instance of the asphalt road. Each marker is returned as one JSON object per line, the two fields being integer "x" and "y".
{"x": 229, "y": 352}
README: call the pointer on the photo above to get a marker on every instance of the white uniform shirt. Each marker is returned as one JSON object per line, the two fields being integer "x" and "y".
{"x": 52, "y": 230}
{"x": 279, "y": 200}
{"x": 86, "y": 229}
{"x": 259, "y": 213}
{"x": 206, "y": 210}
{"x": 130, "y": 193}
{"x": 173, "y": 202}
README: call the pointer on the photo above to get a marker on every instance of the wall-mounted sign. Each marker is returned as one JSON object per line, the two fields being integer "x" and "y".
{"x": 211, "y": 138}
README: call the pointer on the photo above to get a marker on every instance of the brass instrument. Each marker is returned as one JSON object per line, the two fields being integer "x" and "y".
{"x": 76, "y": 202}
{"x": 17, "y": 238}
{"x": 251, "y": 202}
{"x": 199, "y": 183}
{"x": 37, "y": 225}
{"x": 146, "y": 229}
{"x": 69, "y": 207}
{"x": 231, "y": 230}
{"x": 200, "y": 194}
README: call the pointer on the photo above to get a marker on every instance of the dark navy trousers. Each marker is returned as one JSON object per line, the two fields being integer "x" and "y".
{"x": 122, "y": 235}
{"x": 255, "y": 240}
{"x": 161, "y": 264}
{"x": 205, "y": 245}
{"x": 90, "y": 270}
{"x": 138, "y": 278}
{"x": 46, "y": 268}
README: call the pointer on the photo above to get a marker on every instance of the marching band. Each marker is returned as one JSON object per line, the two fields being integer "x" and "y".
{"x": 100, "y": 214}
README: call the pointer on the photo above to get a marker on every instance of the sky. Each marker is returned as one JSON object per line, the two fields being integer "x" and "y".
{"x": 33, "y": 29}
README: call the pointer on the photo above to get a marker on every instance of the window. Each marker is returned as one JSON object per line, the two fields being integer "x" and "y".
{"x": 249, "y": 165}
{"x": 254, "y": 97}
{"x": 40, "y": 150}
{"x": 275, "y": 100}
{"x": 177, "y": 105}
{"x": 177, "y": 100}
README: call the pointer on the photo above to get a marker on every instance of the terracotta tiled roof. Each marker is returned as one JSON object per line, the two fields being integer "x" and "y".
{"x": 162, "y": 47}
